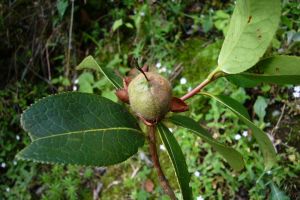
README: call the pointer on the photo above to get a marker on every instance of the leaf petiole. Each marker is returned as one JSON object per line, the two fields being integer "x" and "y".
{"x": 215, "y": 74}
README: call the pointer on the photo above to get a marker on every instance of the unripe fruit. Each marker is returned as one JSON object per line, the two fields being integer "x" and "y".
{"x": 150, "y": 99}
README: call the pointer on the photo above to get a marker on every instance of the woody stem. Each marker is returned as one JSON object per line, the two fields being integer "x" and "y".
{"x": 153, "y": 151}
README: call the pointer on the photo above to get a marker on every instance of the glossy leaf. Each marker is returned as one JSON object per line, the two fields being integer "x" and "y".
{"x": 233, "y": 157}
{"x": 278, "y": 70}
{"x": 80, "y": 128}
{"x": 277, "y": 194}
{"x": 90, "y": 63}
{"x": 178, "y": 161}
{"x": 262, "y": 138}
{"x": 251, "y": 29}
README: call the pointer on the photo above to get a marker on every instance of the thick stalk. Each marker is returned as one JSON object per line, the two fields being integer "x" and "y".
{"x": 153, "y": 151}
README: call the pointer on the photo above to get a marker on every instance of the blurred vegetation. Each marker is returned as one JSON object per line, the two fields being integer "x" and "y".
{"x": 179, "y": 38}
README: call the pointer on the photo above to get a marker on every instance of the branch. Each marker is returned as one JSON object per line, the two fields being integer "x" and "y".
{"x": 153, "y": 151}
{"x": 211, "y": 77}
{"x": 67, "y": 69}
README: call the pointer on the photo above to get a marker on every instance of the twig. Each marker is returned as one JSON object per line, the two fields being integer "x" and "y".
{"x": 178, "y": 69}
{"x": 135, "y": 171}
{"x": 279, "y": 120}
{"x": 153, "y": 151}
{"x": 97, "y": 190}
{"x": 48, "y": 63}
{"x": 212, "y": 76}
{"x": 67, "y": 69}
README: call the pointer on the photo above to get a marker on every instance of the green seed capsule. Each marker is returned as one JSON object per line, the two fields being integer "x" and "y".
{"x": 150, "y": 99}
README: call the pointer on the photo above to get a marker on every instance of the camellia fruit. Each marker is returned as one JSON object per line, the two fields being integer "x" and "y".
{"x": 150, "y": 99}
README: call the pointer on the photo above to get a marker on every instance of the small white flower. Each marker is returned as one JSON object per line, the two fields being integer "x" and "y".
{"x": 183, "y": 81}
{"x": 269, "y": 172}
{"x": 275, "y": 113}
{"x": 170, "y": 129}
{"x": 163, "y": 69}
{"x": 74, "y": 88}
{"x": 15, "y": 162}
{"x": 3, "y": 165}
{"x": 7, "y": 189}
{"x": 296, "y": 94}
{"x": 297, "y": 88}
{"x": 162, "y": 147}
{"x": 158, "y": 65}
{"x": 200, "y": 198}
{"x": 194, "y": 26}
{"x": 245, "y": 133}
{"x": 237, "y": 137}
{"x": 142, "y": 14}
{"x": 18, "y": 137}
{"x": 76, "y": 81}
{"x": 197, "y": 173}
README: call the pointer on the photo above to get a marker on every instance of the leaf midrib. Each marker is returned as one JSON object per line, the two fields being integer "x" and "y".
{"x": 236, "y": 41}
{"x": 247, "y": 120}
{"x": 202, "y": 135}
{"x": 175, "y": 165}
{"x": 88, "y": 131}
{"x": 232, "y": 109}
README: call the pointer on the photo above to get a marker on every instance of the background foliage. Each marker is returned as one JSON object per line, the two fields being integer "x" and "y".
{"x": 182, "y": 40}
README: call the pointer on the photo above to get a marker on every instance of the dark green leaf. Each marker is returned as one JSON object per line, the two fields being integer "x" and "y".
{"x": 278, "y": 69}
{"x": 178, "y": 161}
{"x": 251, "y": 29}
{"x": 262, "y": 139}
{"x": 80, "y": 128}
{"x": 233, "y": 157}
{"x": 277, "y": 194}
{"x": 90, "y": 63}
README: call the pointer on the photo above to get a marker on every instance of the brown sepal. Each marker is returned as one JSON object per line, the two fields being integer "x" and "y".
{"x": 133, "y": 72}
{"x": 122, "y": 95}
{"x": 145, "y": 68}
{"x": 126, "y": 82}
{"x": 177, "y": 105}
